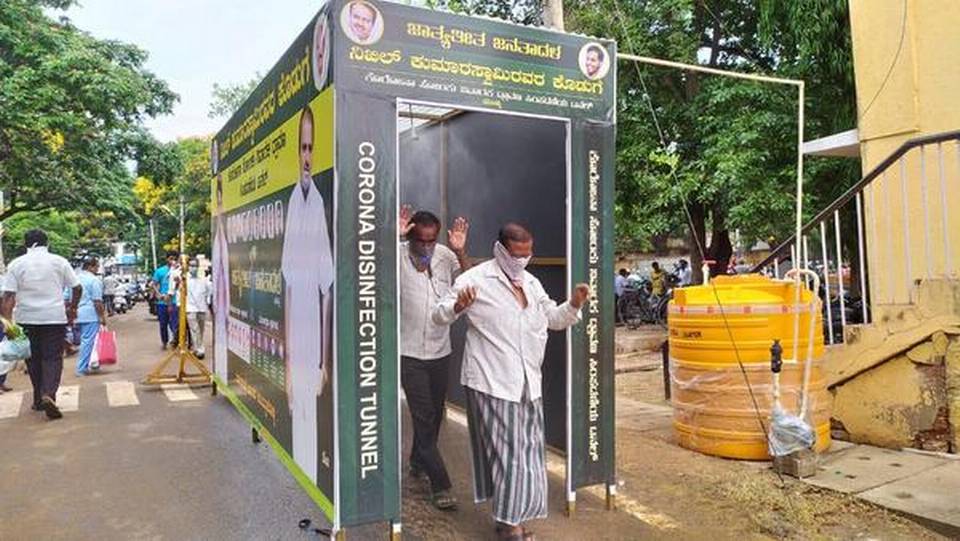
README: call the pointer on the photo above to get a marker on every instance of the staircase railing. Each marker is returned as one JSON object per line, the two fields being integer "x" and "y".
{"x": 845, "y": 277}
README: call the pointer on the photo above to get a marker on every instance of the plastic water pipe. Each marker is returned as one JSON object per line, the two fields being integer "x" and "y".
{"x": 808, "y": 364}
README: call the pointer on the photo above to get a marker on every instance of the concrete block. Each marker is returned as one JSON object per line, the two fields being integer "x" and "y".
{"x": 799, "y": 464}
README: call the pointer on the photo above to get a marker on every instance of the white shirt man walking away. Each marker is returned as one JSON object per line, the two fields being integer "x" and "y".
{"x": 34, "y": 284}
{"x": 508, "y": 314}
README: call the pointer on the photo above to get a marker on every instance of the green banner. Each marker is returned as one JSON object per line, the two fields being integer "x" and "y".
{"x": 367, "y": 310}
{"x": 391, "y": 49}
{"x": 590, "y": 449}
{"x": 273, "y": 268}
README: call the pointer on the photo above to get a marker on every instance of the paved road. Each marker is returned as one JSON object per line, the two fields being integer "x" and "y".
{"x": 132, "y": 462}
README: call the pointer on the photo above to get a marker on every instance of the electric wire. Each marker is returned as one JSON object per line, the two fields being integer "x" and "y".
{"x": 699, "y": 244}
{"x": 893, "y": 63}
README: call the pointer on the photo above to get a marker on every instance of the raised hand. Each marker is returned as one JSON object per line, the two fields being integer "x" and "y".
{"x": 579, "y": 295}
{"x": 465, "y": 298}
{"x": 403, "y": 222}
{"x": 457, "y": 235}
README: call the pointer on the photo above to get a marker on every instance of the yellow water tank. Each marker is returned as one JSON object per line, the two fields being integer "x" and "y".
{"x": 715, "y": 401}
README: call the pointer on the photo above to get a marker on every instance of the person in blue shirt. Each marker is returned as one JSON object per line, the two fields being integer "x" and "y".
{"x": 166, "y": 312}
{"x": 90, "y": 312}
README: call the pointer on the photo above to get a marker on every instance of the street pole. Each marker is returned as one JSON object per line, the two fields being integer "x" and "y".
{"x": 553, "y": 14}
{"x": 181, "y": 226}
{"x": 153, "y": 243}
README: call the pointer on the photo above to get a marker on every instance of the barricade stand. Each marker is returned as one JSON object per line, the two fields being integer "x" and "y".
{"x": 182, "y": 356}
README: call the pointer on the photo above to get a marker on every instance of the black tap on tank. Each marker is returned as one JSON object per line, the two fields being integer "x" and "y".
{"x": 776, "y": 356}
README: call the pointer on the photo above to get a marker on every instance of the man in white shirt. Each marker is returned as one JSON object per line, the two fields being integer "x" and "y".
{"x": 34, "y": 284}
{"x": 110, "y": 286}
{"x": 427, "y": 271}
{"x": 508, "y": 315}
{"x": 619, "y": 286}
{"x": 686, "y": 275}
{"x": 307, "y": 268}
{"x": 198, "y": 299}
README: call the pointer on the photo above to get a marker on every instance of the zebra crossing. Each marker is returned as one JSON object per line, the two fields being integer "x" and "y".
{"x": 119, "y": 394}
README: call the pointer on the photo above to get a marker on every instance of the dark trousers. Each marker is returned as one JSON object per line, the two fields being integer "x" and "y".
{"x": 46, "y": 359}
{"x": 108, "y": 303}
{"x": 168, "y": 317}
{"x": 425, "y": 384}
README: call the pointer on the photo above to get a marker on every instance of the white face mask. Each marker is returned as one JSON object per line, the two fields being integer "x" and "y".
{"x": 512, "y": 266}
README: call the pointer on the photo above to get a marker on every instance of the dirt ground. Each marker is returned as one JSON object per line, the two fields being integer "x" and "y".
{"x": 713, "y": 498}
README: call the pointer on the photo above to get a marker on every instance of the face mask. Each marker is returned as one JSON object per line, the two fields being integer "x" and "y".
{"x": 422, "y": 252}
{"x": 512, "y": 266}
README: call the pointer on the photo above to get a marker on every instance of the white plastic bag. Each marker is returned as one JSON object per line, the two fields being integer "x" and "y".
{"x": 11, "y": 351}
{"x": 788, "y": 433}
{"x": 94, "y": 355}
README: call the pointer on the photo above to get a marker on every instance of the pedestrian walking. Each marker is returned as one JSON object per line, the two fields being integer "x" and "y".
{"x": 199, "y": 298}
{"x": 33, "y": 285}
{"x": 508, "y": 314}
{"x": 160, "y": 285}
{"x": 90, "y": 313}
{"x": 427, "y": 271}
{"x": 3, "y": 378}
{"x": 658, "y": 280}
{"x": 620, "y": 282}
{"x": 173, "y": 302}
{"x": 110, "y": 287}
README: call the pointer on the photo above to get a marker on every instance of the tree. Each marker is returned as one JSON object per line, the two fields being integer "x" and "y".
{"x": 728, "y": 150}
{"x": 71, "y": 107}
{"x": 228, "y": 98}
{"x": 518, "y": 11}
{"x": 63, "y": 232}
{"x": 183, "y": 170}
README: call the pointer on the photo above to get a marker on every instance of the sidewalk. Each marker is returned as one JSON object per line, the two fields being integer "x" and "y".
{"x": 924, "y": 487}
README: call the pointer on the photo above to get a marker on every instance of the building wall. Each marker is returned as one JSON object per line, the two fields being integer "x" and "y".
{"x": 909, "y": 236}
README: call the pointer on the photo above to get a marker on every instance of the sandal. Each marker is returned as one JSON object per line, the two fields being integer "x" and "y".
{"x": 528, "y": 535}
{"x": 444, "y": 501}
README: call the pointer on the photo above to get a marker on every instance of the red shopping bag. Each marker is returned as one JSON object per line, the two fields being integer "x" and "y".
{"x": 107, "y": 347}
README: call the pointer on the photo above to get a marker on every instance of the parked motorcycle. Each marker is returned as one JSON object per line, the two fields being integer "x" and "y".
{"x": 120, "y": 304}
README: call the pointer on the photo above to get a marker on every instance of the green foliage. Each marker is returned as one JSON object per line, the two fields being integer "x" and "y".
{"x": 228, "y": 98}
{"x": 62, "y": 231}
{"x": 71, "y": 113}
{"x": 518, "y": 11}
{"x": 183, "y": 168}
{"x": 731, "y": 143}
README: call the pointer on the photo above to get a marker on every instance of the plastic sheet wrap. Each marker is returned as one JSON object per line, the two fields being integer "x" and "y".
{"x": 714, "y": 412}
{"x": 789, "y": 433}
{"x": 721, "y": 408}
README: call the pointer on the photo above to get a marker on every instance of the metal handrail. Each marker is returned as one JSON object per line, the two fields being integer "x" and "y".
{"x": 852, "y": 192}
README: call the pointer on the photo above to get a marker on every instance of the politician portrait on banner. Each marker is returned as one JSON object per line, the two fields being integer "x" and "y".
{"x": 307, "y": 268}
{"x": 594, "y": 61}
{"x": 362, "y": 22}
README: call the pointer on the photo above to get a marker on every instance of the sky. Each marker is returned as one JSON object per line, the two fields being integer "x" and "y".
{"x": 195, "y": 43}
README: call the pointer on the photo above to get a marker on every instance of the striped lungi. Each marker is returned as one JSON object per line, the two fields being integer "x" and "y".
{"x": 508, "y": 455}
